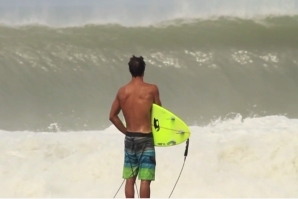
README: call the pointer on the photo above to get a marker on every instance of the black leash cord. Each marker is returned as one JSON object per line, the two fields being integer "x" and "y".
{"x": 121, "y": 186}
{"x": 185, "y": 155}
{"x": 132, "y": 172}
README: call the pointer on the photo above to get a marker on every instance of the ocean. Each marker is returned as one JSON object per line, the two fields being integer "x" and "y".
{"x": 229, "y": 69}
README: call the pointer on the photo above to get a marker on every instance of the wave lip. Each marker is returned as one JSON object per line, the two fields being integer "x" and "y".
{"x": 145, "y": 13}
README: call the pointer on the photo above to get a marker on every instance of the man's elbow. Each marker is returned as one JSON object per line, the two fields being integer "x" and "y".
{"x": 112, "y": 118}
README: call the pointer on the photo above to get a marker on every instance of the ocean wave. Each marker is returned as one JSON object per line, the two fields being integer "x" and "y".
{"x": 205, "y": 69}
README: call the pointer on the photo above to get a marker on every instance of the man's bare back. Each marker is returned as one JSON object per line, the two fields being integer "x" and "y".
{"x": 135, "y": 99}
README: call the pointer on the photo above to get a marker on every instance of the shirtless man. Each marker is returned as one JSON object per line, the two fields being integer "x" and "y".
{"x": 135, "y": 99}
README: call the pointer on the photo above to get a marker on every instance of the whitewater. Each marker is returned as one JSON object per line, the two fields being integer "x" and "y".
{"x": 229, "y": 69}
{"x": 253, "y": 157}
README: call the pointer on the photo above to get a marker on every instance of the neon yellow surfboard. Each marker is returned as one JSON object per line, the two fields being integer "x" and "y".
{"x": 167, "y": 128}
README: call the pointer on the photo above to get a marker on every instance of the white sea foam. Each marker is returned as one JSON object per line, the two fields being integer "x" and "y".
{"x": 254, "y": 157}
{"x": 134, "y": 13}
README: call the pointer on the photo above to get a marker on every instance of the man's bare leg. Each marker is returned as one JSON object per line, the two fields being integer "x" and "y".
{"x": 129, "y": 187}
{"x": 145, "y": 189}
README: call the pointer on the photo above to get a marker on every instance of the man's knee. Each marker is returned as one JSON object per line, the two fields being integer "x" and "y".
{"x": 131, "y": 180}
{"x": 146, "y": 182}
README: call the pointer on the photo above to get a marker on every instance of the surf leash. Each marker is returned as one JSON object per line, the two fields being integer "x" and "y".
{"x": 185, "y": 155}
{"x": 132, "y": 172}
{"x": 121, "y": 186}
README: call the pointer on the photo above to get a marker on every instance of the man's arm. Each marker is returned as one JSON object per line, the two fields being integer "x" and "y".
{"x": 156, "y": 95}
{"x": 115, "y": 109}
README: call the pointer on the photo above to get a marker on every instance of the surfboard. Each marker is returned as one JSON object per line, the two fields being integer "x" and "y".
{"x": 167, "y": 128}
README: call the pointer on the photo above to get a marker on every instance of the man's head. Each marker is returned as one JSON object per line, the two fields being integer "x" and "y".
{"x": 136, "y": 66}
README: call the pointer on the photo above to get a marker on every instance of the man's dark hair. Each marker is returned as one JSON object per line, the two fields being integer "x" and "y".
{"x": 136, "y": 66}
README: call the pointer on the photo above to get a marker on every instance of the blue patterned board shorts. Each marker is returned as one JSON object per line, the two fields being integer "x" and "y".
{"x": 139, "y": 156}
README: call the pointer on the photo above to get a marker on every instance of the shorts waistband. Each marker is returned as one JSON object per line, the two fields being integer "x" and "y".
{"x": 138, "y": 134}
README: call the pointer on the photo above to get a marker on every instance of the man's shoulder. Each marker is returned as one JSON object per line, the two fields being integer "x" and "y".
{"x": 152, "y": 86}
{"x": 123, "y": 87}
{"x": 121, "y": 90}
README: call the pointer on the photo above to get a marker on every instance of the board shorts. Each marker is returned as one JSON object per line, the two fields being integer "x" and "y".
{"x": 139, "y": 156}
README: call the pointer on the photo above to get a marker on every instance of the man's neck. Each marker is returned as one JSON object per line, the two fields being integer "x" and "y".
{"x": 137, "y": 79}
